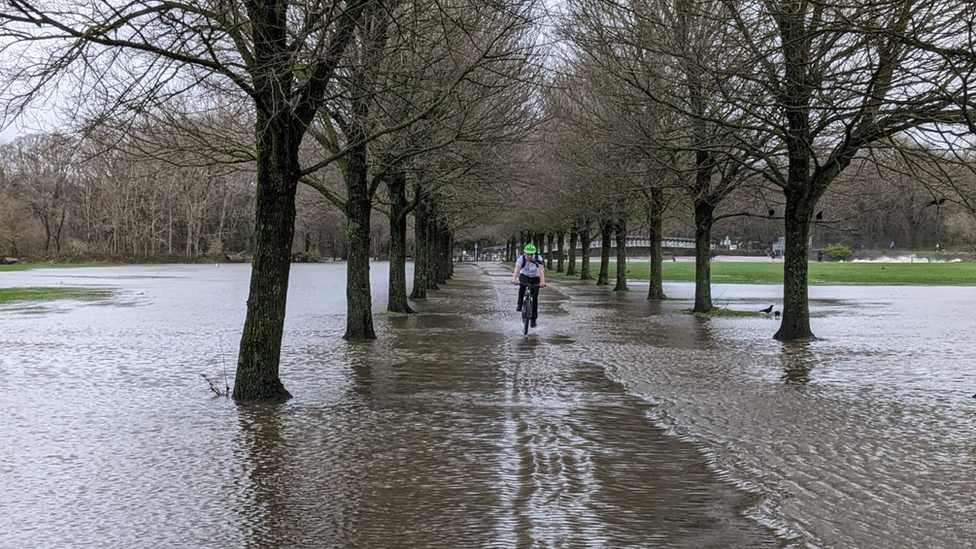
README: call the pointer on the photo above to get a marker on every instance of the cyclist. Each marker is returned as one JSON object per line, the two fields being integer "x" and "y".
{"x": 529, "y": 271}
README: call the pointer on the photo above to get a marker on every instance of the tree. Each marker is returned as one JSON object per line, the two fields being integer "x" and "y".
{"x": 281, "y": 56}
{"x": 830, "y": 78}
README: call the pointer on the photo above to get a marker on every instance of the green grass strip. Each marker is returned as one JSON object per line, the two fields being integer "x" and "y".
{"x": 34, "y": 294}
{"x": 728, "y": 272}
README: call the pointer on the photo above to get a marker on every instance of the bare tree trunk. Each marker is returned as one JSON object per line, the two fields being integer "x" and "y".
{"x": 704, "y": 218}
{"x": 585, "y": 252}
{"x": 421, "y": 248}
{"x": 359, "y": 303}
{"x": 796, "y": 306}
{"x": 621, "y": 228}
{"x": 656, "y": 220}
{"x": 397, "y": 297}
{"x": 573, "y": 241}
{"x": 560, "y": 240}
{"x": 57, "y": 234}
{"x": 550, "y": 239}
{"x": 274, "y": 227}
{"x": 606, "y": 233}
{"x": 443, "y": 263}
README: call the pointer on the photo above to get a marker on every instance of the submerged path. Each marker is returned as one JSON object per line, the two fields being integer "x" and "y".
{"x": 492, "y": 439}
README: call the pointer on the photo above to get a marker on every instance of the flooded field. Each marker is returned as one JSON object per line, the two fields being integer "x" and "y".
{"x": 618, "y": 423}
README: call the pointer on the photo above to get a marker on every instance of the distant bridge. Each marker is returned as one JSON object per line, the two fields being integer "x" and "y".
{"x": 669, "y": 242}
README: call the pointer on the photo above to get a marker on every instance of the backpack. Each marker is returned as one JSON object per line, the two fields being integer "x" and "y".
{"x": 537, "y": 259}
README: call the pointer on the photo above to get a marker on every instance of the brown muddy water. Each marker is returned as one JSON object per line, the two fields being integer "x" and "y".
{"x": 617, "y": 423}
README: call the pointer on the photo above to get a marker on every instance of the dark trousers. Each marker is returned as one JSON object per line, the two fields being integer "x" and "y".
{"x": 534, "y": 280}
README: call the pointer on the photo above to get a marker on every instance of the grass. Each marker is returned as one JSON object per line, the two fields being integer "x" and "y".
{"x": 34, "y": 294}
{"x": 729, "y": 272}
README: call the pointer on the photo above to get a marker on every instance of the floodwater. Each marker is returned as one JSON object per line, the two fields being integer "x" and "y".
{"x": 617, "y": 423}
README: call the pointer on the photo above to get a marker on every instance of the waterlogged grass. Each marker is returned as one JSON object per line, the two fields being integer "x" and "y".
{"x": 728, "y": 272}
{"x": 29, "y": 266}
{"x": 719, "y": 312}
{"x": 39, "y": 294}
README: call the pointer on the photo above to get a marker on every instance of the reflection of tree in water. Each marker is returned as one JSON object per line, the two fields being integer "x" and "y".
{"x": 704, "y": 332}
{"x": 798, "y": 360}
{"x": 263, "y": 446}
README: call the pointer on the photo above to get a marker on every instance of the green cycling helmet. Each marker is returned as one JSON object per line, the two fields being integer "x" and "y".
{"x": 529, "y": 248}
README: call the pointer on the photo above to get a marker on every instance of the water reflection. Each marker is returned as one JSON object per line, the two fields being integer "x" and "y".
{"x": 703, "y": 331}
{"x": 798, "y": 361}
{"x": 266, "y": 489}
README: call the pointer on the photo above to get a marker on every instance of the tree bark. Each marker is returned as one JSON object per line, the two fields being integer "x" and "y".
{"x": 551, "y": 239}
{"x": 573, "y": 241}
{"x": 420, "y": 250}
{"x": 560, "y": 241}
{"x": 621, "y": 229}
{"x": 704, "y": 218}
{"x": 397, "y": 298}
{"x": 359, "y": 305}
{"x": 796, "y": 307}
{"x": 656, "y": 220}
{"x": 274, "y": 227}
{"x": 445, "y": 261}
{"x": 606, "y": 232}
{"x": 585, "y": 253}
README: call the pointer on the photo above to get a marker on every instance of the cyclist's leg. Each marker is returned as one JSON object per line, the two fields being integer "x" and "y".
{"x": 523, "y": 280}
{"x": 535, "y": 298}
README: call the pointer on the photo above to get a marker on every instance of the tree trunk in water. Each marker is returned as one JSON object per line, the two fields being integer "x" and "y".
{"x": 585, "y": 254}
{"x": 420, "y": 251}
{"x": 274, "y": 227}
{"x": 433, "y": 256}
{"x": 621, "y": 228}
{"x": 573, "y": 240}
{"x": 560, "y": 240}
{"x": 359, "y": 302}
{"x": 704, "y": 217}
{"x": 656, "y": 206}
{"x": 444, "y": 262}
{"x": 606, "y": 232}
{"x": 796, "y": 307}
{"x": 397, "y": 302}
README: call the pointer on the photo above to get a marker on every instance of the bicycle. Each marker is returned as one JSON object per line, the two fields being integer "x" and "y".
{"x": 527, "y": 304}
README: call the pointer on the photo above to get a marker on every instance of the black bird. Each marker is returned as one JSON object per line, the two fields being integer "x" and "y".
{"x": 819, "y": 216}
{"x": 766, "y": 310}
{"x": 942, "y": 201}
{"x": 772, "y": 213}
{"x": 776, "y": 314}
